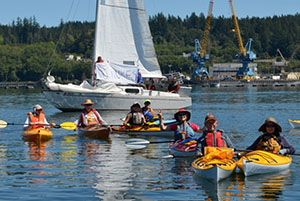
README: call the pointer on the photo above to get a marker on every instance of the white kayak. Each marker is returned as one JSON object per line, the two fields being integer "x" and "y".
{"x": 263, "y": 162}
{"x": 217, "y": 164}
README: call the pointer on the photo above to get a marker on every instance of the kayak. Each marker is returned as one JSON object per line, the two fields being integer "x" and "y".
{"x": 217, "y": 164}
{"x": 147, "y": 129}
{"x": 42, "y": 134}
{"x": 101, "y": 132}
{"x": 184, "y": 148}
{"x": 262, "y": 162}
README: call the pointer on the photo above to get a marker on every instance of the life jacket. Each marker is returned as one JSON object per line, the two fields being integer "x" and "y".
{"x": 148, "y": 114}
{"x": 269, "y": 143}
{"x": 214, "y": 139}
{"x": 183, "y": 131}
{"x": 91, "y": 121}
{"x": 40, "y": 120}
{"x": 136, "y": 118}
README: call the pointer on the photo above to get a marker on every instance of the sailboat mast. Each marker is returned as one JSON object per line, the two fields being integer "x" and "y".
{"x": 96, "y": 38}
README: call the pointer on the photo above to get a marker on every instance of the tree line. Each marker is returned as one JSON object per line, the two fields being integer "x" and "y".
{"x": 28, "y": 51}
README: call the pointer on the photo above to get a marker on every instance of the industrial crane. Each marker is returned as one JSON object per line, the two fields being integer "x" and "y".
{"x": 199, "y": 56}
{"x": 246, "y": 55}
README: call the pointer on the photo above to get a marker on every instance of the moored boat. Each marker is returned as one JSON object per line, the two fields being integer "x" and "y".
{"x": 41, "y": 134}
{"x": 184, "y": 148}
{"x": 263, "y": 162}
{"x": 101, "y": 132}
{"x": 217, "y": 164}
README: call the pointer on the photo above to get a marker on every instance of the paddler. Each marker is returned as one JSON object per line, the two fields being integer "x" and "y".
{"x": 134, "y": 117}
{"x": 89, "y": 116}
{"x": 182, "y": 129}
{"x": 272, "y": 140}
{"x": 147, "y": 111}
{"x": 212, "y": 136}
{"x": 37, "y": 119}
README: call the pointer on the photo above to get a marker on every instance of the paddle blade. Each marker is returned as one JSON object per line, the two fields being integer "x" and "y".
{"x": 68, "y": 125}
{"x": 294, "y": 121}
{"x": 3, "y": 124}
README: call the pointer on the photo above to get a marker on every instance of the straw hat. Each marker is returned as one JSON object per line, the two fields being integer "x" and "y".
{"x": 270, "y": 120}
{"x": 88, "y": 102}
{"x": 182, "y": 111}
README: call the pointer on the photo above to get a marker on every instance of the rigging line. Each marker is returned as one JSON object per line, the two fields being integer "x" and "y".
{"x": 130, "y": 8}
{"x": 59, "y": 38}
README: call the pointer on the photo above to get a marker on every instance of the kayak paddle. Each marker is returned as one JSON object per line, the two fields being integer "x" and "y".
{"x": 65, "y": 125}
{"x": 137, "y": 143}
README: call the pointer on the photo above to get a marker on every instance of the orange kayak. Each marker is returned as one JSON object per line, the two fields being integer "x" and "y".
{"x": 33, "y": 134}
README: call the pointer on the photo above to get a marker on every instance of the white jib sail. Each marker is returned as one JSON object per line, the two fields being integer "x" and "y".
{"x": 123, "y": 36}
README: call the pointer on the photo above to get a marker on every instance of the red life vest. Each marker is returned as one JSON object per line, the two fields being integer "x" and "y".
{"x": 40, "y": 120}
{"x": 214, "y": 139}
{"x": 84, "y": 120}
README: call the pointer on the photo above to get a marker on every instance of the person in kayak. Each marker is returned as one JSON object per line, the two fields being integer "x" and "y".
{"x": 272, "y": 140}
{"x": 37, "y": 119}
{"x": 212, "y": 136}
{"x": 147, "y": 111}
{"x": 134, "y": 117}
{"x": 89, "y": 116}
{"x": 182, "y": 129}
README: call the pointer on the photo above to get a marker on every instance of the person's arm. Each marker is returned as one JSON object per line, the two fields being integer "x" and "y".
{"x": 227, "y": 140}
{"x": 126, "y": 119}
{"x": 161, "y": 122}
{"x": 286, "y": 145}
{"x": 254, "y": 145}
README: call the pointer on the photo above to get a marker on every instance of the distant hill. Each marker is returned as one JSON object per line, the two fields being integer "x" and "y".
{"x": 28, "y": 50}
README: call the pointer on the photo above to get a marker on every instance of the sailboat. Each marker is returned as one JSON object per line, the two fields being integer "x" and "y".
{"x": 124, "y": 41}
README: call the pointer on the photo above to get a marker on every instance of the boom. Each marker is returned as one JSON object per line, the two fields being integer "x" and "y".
{"x": 237, "y": 31}
{"x": 207, "y": 29}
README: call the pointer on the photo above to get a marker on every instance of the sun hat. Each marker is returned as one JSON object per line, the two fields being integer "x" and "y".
{"x": 270, "y": 120}
{"x": 136, "y": 104}
{"x": 37, "y": 107}
{"x": 182, "y": 111}
{"x": 88, "y": 102}
{"x": 147, "y": 101}
{"x": 210, "y": 117}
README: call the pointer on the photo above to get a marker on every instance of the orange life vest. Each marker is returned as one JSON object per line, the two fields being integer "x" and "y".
{"x": 90, "y": 120}
{"x": 40, "y": 120}
{"x": 214, "y": 139}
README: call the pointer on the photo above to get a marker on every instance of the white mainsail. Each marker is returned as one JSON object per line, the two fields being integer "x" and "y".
{"x": 122, "y": 36}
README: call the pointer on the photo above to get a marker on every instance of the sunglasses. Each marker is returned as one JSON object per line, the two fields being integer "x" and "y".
{"x": 270, "y": 125}
{"x": 181, "y": 115}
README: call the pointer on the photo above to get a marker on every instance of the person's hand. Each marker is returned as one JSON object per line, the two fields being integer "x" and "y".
{"x": 53, "y": 124}
{"x": 282, "y": 151}
{"x": 160, "y": 114}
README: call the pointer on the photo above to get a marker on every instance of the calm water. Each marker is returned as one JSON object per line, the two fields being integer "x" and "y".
{"x": 73, "y": 168}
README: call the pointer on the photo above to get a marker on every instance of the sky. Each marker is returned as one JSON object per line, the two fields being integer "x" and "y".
{"x": 50, "y": 12}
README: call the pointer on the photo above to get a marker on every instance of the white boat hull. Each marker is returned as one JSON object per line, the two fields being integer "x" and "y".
{"x": 215, "y": 173}
{"x": 251, "y": 168}
{"x": 71, "y": 101}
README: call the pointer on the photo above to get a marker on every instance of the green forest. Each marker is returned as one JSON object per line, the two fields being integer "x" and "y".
{"x": 28, "y": 51}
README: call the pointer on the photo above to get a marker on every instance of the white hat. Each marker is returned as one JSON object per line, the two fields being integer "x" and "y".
{"x": 37, "y": 107}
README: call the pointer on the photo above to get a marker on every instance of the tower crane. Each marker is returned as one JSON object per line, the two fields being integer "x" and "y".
{"x": 199, "y": 56}
{"x": 246, "y": 55}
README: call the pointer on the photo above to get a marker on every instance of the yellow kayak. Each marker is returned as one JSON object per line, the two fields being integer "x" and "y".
{"x": 42, "y": 134}
{"x": 263, "y": 162}
{"x": 217, "y": 164}
{"x": 148, "y": 129}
